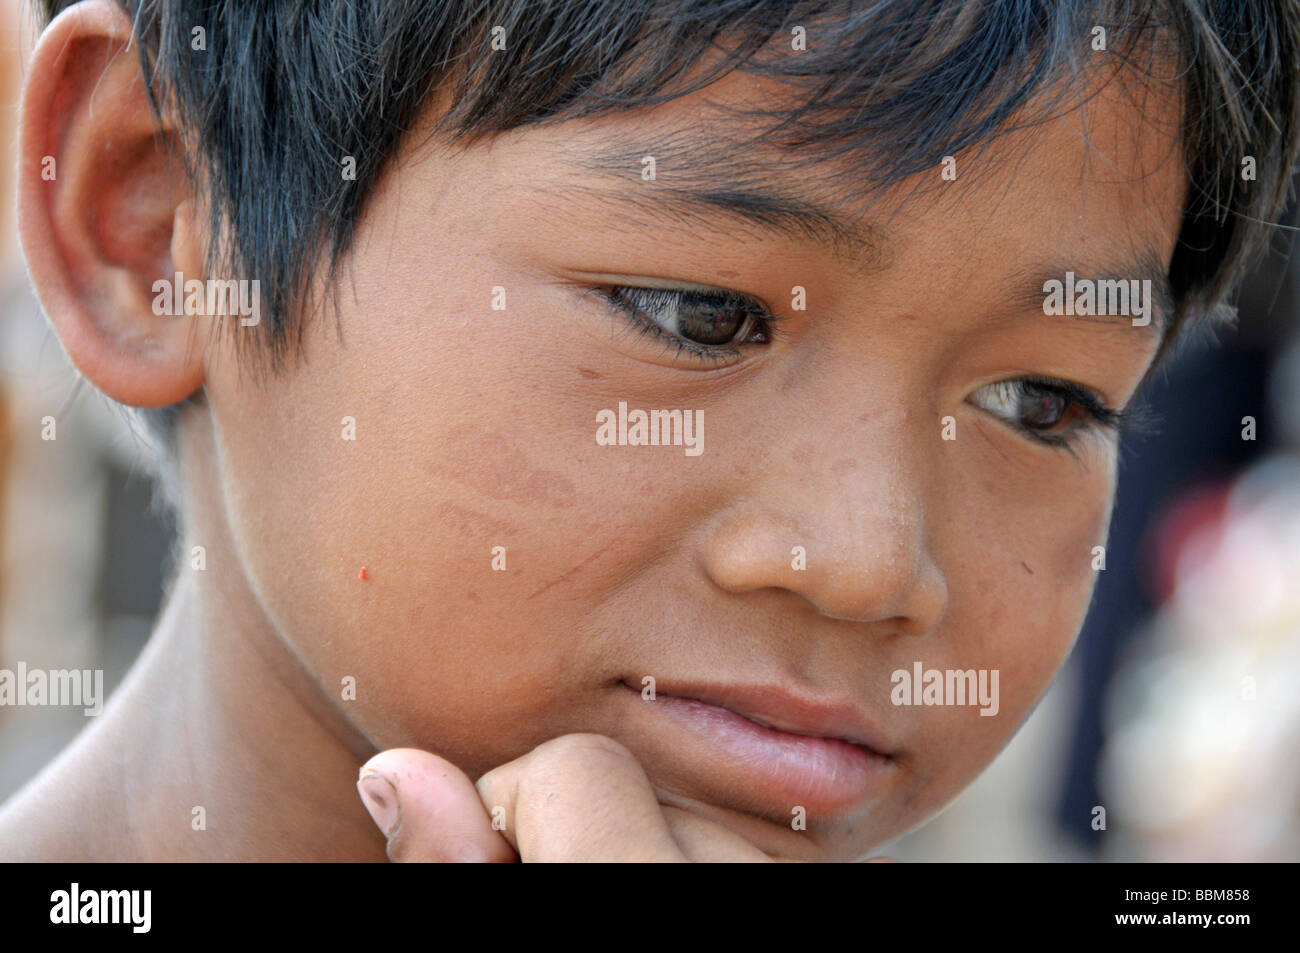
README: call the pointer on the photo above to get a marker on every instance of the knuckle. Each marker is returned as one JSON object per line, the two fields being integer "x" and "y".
{"x": 582, "y": 748}
{"x": 577, "y": 759}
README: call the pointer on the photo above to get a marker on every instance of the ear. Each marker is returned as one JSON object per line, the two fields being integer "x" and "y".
{"x": 104, "y": 210}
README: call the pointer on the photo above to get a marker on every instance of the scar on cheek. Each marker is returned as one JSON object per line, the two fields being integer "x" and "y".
{"x": 362, "y": 574}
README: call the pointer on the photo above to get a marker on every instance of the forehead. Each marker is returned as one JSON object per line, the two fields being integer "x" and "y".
{"x": 1096, "y": 188}
{"x": 740, "y": 135}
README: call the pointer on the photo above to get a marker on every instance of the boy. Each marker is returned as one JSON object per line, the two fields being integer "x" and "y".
{"x": 658, "y": 429}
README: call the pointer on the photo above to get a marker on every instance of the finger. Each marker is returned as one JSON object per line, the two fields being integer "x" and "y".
{"x": 428, "y": 809}
{"x": 581, "y": 797}
{"x": 703, "y": 841}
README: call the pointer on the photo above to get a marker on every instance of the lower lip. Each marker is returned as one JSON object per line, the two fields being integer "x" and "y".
{"x": 824, "y": 775}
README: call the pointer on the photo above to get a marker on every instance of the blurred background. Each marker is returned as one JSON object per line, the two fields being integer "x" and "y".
{"x": 1178, "y": 712}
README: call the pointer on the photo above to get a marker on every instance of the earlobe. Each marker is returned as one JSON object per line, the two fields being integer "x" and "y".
{"x": 101, "y": 196}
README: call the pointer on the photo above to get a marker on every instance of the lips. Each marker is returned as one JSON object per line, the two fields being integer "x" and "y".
{"x": 769, "y": 750}
{"x": 787, "y": 713}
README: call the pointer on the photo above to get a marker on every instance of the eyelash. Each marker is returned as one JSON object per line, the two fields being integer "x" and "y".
{"x": 616, "y": 298}
{"x": 1098, "y": 415}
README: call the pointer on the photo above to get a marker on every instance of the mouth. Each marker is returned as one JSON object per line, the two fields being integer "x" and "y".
{"x": 768, "y": 749}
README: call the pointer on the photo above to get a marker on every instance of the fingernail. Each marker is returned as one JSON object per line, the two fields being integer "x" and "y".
{"x": 380, "y": 798}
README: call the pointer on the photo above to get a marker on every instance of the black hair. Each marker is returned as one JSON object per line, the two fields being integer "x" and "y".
{"x": 283, "y": 91}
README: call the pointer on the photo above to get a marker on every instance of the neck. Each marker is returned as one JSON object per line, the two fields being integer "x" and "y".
{"x": 219, "y": 745}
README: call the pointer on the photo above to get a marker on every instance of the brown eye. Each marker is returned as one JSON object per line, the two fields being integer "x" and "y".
{"x": 708, "y": 319}
{"x": 1040, "y": 409}
{"x": 711, "y": 324}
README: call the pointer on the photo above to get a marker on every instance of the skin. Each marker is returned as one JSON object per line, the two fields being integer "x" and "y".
{"x": 475, "y": 429}
{"x": 15, "y": 40}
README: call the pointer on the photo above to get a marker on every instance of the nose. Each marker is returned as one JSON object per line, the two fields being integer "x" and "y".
{"x": 850, "y": 537}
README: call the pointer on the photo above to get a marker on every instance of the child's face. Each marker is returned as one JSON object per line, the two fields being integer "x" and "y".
{"x": 476, "y": 428}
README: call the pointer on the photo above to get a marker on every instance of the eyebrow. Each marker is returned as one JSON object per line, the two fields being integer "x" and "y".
{"x": 706, "y": 195}
{"x": 714, "y": 184}
{"x": 1025, "y": 291}
{"x": 858, "y": 244}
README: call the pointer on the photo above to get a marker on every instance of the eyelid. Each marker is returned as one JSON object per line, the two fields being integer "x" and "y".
{"x": 759, "y": 311}
{"x": 1092, "y": 400}
{"x": 651, "y": 283}
{"x": 717, "y": 355}
{"x": 740, "y": 299}
{"x": 1099, "y": 415}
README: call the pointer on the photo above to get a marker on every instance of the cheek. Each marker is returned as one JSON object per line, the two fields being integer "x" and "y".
{"x": 372, "y": 460}
{"x": 1019, "y": 596}
{"x": 455, "y": 460}
{"x": 1028, "y": 542}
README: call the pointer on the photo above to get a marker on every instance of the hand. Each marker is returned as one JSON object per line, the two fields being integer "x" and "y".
{"x": 581, "y": 797}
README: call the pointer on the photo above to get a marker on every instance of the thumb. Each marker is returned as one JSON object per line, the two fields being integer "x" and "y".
{"x": 429, "y": 810}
